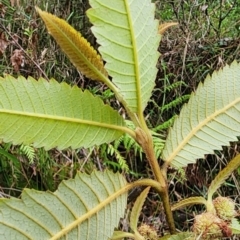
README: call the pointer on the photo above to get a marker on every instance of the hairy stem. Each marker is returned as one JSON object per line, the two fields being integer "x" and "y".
{"x": 144, "y": 138}
{"x": 166, "y": 204}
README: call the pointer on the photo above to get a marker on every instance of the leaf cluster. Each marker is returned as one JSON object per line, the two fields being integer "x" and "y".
{"x": 38, "y": 114}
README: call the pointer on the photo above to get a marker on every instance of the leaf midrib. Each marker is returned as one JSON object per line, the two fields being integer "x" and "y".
{"x": 199, "y": 127}
{"x": 136, "y": 62}
{"x": 66, "y": 119}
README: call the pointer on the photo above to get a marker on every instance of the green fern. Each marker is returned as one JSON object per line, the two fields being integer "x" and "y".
{"x": 174, "y": 86}
{"x": 158, "y": 144}
{"x": 112, "y": 151}
{"x": 29, "y": 152}
{"x": 176, "y": 102}
{"x": 129, "y": 143}
{"x": 166, "y": 125}
{"x": 112, "y": 165}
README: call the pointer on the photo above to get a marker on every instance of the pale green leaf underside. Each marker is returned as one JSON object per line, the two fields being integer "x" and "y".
{"x": 209, "y": 121}
{"x": 50, "y": 114}
{"x": 79, "y": 209}
{"x": 127, "y": 33}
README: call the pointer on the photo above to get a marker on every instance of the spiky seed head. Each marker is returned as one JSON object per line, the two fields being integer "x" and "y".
{"x": 208, "y": 226}
{"x": 225, "y": 208}
{"x": 148, "y": 232}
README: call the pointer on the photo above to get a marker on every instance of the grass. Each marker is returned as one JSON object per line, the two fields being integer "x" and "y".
{"x": 189, "y": 52}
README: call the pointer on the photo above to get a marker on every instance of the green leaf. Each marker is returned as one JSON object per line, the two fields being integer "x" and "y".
{"x": 223, "y": 175}
{"x": 209, "y": 121}
{"x": 11, "y": 157}
{"x": 50, "y": 114}
{"x": 235, "y": 226}
{"x": 87, "y": 207}
{"x": 179, "y": 236}
{"x": 129, "y": 39}
{"x": 119, "y": 235}
{"x": 137, "y": 208}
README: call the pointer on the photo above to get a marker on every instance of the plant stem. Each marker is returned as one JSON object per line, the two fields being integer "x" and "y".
{"x": 166, "y": 204}
{"x": 144, "y": 138}
{"x": 163, "y": 183}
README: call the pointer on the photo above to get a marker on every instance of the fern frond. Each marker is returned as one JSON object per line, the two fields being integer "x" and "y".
{"x": 118, "y": 141}
{"x": 121, "y": 161}
{"x": 165, "y": 125}
{"x": 174, "y": 86}
{"x": 158, "y": 145}
{"x": 28, "y": 151}
{"x": 176, "y": 102}
{"x": 129, "y": 143}
{"x": 114, "y": 165}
